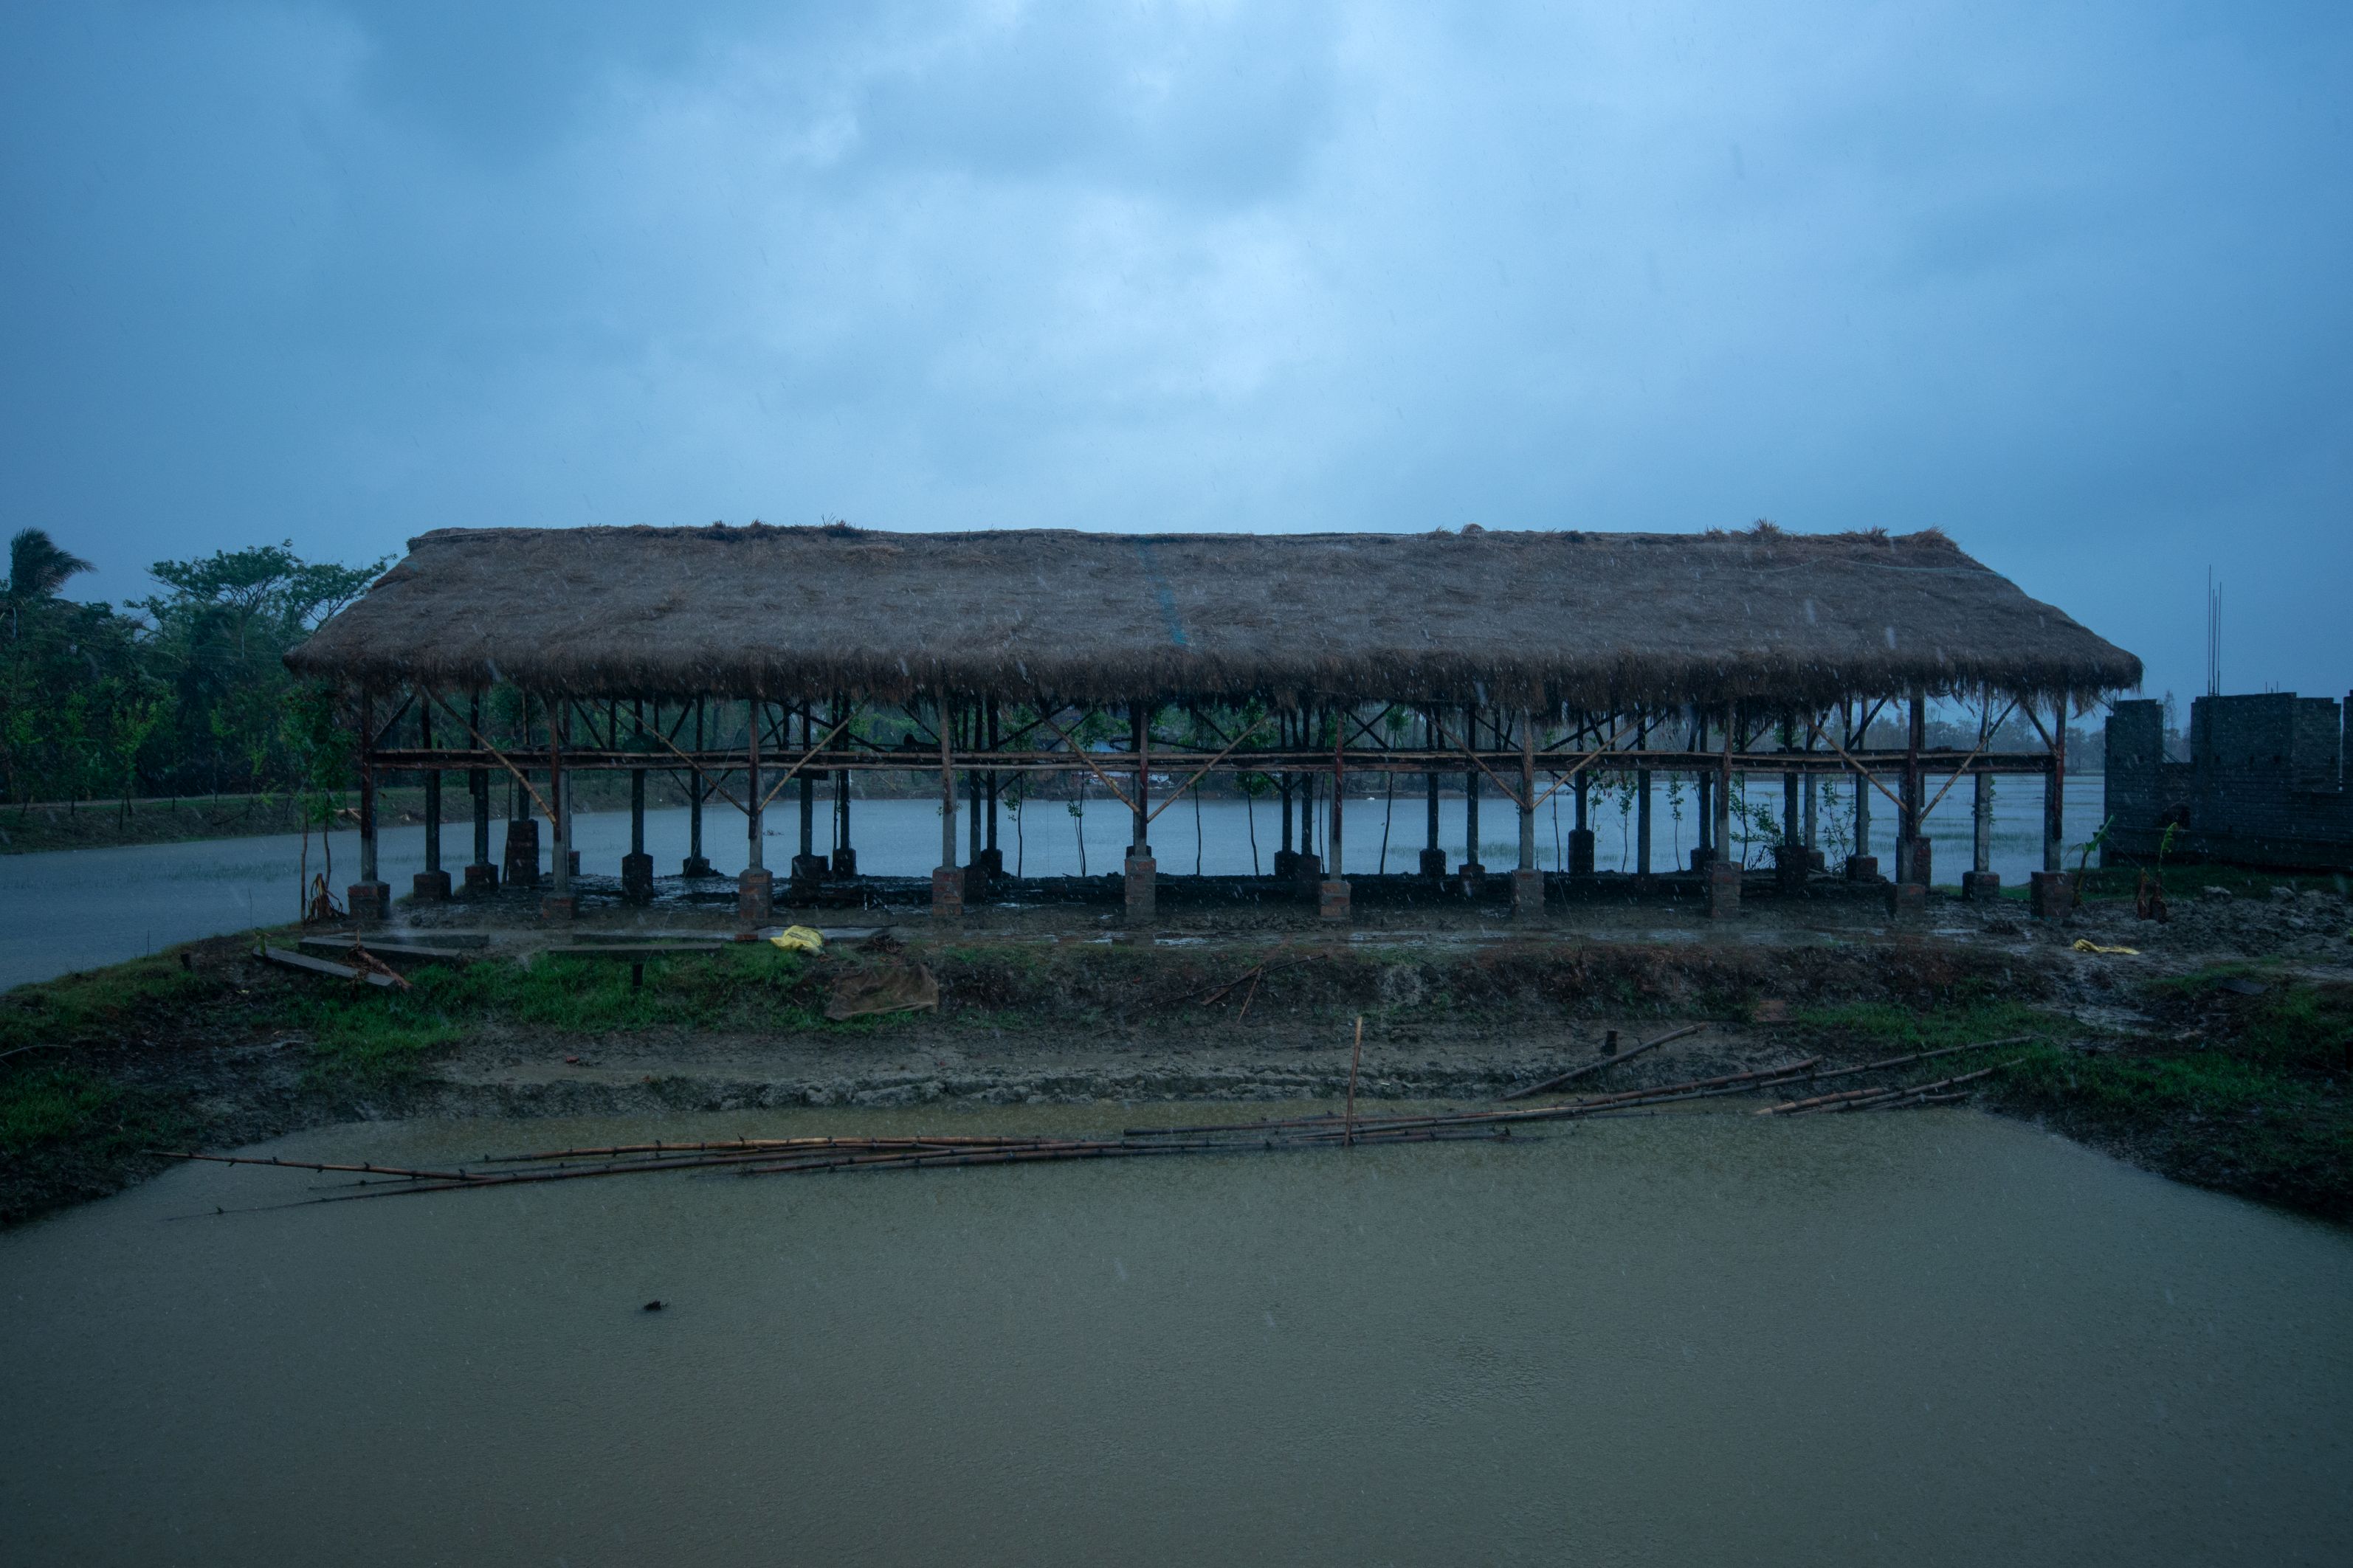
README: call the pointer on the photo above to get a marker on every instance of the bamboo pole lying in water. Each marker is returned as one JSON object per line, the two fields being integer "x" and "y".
{"x": 813, "y": 1155}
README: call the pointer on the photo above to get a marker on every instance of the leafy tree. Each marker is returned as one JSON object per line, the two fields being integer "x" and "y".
{"x": 191, "y": 693}
{"x": 220, "y": 637}
{"x": 37, "y": 568}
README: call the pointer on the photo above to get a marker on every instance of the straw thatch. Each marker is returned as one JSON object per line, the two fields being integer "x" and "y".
{"x": 1593, "y": 620}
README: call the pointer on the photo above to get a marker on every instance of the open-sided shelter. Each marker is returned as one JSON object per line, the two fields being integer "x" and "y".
{"x": 1527, "y": 660}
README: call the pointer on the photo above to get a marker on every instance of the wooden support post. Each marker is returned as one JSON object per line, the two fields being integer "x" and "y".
{"x": 975, "y": 788}
{"x": 2054, "y": 794}
{"x": 947, "y": 879}
{"x": 756, "y": 839}
{"x": 1141, "y": 871}
{"x": 1527, "y": 882}
{"x": 1912, "y": 855}
{"x": 560, "y": 904}
{"x": 1332, "y": 900}
{"x": 479, "y": 873}
{"x": 807, "y": 782}
{"x": 1790, "y": 861}
{"x": 431, "y": 885}
{"x": 1703, "y": 793}
{"x": 1433, "y": 858}
{"x": 1723, "y": 866}
{"x": 2052, "y": 891}
{"x": 432, "y": 792}
{"x": 1474, "y": 870}
{"x": 845, "y": 853}
{"x": 368, "y": 899}
{"x": 1981, "y": 882}
{"x": 755, "y": 886}
{"x": 637, "y": 865}
{"x": 1642, "y": 806}
{"x": 1580, "y": 833}
{"x": 697, "y": 863}
{"x": 1139, "y": 729}
{"x": 1862, "y": 866}
{"x": 995, "y": 857}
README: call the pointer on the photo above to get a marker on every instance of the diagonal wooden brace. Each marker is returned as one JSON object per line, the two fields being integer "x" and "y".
{"x": 537, "y": 798}
{"x": 1178, "y": 792}
{"x": 1084, "y": 756}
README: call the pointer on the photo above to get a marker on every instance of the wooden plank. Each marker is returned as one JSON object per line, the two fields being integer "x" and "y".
{"x": 638, "y": 954}
{"x": 287, "y": 958}
{"x": 390, "y": 950}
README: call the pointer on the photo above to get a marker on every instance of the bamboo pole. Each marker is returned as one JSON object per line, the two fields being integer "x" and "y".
{"x": 1575, "y": 1073}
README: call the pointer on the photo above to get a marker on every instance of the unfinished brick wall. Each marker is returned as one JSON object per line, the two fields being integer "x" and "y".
{"x": 2264, "y": 785}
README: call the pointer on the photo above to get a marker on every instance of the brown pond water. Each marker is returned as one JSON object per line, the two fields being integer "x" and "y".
{"x": 1940, "y": 1338}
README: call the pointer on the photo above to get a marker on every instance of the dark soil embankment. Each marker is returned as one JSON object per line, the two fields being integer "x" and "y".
{"x": 2223, "y": 1084}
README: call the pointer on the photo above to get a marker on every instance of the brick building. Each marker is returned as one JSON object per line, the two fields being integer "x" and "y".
{"x": 2265, "y": 783}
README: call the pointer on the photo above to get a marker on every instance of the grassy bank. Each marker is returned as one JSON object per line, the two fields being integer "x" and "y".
{"x": 2237, "y": 1082}
{"x": 2241, "y": 1081}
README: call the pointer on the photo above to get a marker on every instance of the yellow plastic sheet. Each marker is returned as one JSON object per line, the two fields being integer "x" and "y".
{"x": 2084, "y": 945}
{"x": 800, "y": 939}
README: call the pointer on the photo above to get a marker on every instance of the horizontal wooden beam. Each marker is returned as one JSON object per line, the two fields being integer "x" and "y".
{"x": 1169, "y": 762}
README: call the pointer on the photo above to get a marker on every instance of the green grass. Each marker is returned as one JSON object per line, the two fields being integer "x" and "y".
{"x": 96, "y": 1004}
{"x": 50, "y": 1107}
{"x": 384, "y": 1037}
{"x": 381, "y": 1036}
{"x": 2255, "y": 1100}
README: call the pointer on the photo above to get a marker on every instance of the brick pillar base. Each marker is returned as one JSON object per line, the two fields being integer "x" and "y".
{"x": 1862, "y": 868}
{"x": 430, "y": 887}
{"x": 369, "y": 902}
{"x": 1701, "y": 859}
{"x": 1142, "y": 887}
{"x": 2051, "y": 894}
{"x": 1981, "y": 886}
{"x": 637, "y": 878}
{"x": 976, "y": 886}
{"x": 1792, "y": 863}
{"x": 556, "y": 912}
{"x": 481, "y": 876}
{"x": 1472, "y": 877}
{"x": 521, "y": 860}
{"x": 948, "y": 893}
{"x": 1723, "y": 879}
{"x": 808, "y": 871}
{"x": 1923, "y": 859}
{"x": 1308, "y": 870}
{"x": 991, "y": 863}
{"x": 696, "y": 866}
{"x": 845, "y": 864}
{"x": 1580, "y": 851}
{"x": 1433, "y": 865}
{"x": 1332, "y": 899}
{"x": 1907, "y": 902}
{"x": 755, "y": 896}
{"x": 1528, "y": 895}
{"x": 1286, "y": 863}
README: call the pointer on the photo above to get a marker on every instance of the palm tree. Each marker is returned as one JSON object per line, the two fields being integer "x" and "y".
{"x": 37, "y": 568}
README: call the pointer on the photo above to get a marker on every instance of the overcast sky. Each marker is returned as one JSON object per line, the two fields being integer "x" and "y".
{"x": 2073, "y": 283}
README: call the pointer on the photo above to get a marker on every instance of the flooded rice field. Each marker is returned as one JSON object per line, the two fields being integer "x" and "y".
{"x": 1936, "y": 1339}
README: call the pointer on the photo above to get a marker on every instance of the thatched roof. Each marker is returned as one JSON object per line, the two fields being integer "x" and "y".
{"x": 1513, "y": 618}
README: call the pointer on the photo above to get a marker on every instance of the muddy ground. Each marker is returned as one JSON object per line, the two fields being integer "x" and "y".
{"x": 212, "y": 1046}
